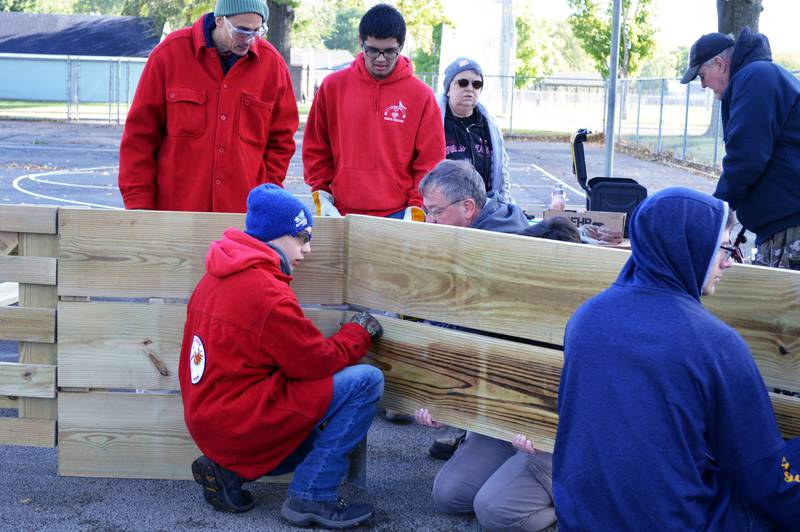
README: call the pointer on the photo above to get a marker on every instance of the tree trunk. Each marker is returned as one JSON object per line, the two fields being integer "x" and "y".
{"x": 733, "y": 15}
{"x": 279, "y": 33}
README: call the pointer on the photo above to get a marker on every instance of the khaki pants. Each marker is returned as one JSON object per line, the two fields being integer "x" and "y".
{"x": 781, "y": 250}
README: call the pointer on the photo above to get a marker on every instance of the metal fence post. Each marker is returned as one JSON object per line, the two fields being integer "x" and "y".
{"x": 110, "y": 87}
{"x": 621, "y": 106}
{"x": 661, "y": 114}
{"x": 511, "y": 110}
{"x": 638, "y": 110}
{"x": 686, "y": 122}
{"x": 68, "y": 95}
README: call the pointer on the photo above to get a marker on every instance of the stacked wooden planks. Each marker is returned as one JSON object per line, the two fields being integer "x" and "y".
{"x": 29, "y": 385}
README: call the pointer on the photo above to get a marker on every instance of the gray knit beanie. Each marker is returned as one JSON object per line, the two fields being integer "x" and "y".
{"x": 460, "y": 65}
{"x": 229, "y": 8}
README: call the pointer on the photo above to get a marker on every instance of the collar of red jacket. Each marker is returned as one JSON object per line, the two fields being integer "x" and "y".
{"x": 403, "y": 69}
{"x": 199, "y": 40}
{"x": 237, "y": 251}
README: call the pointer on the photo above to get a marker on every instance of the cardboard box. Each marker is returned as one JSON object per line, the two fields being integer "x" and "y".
{"x": 615, "y": 221}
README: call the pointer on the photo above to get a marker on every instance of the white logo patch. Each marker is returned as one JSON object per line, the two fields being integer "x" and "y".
{"x": 197, "y": 359}
{"x": 300, "y": 220}
{"x": 395, "y": 113}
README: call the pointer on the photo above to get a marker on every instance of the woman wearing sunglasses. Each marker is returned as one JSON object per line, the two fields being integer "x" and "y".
{"x": 470, "y": 131}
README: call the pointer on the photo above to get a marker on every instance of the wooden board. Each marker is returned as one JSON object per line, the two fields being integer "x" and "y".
{"x": 529, "y": 288}
{"x": 8, "y": 402}
{"x": 27, "y": 380}
{"x": 8, "y": 243}
{"x": 28, "y": 219}
{"x": 27, "y": 432}
{"x": 33, "y": 270}
{"x": 491, "y": 386}
{"x": 131, "y": 345}
{"x": 122, "y": 435}
{"x": 787, "y": 413}
{"x": 27, "y": 324}
{"x": 162, "y": 254}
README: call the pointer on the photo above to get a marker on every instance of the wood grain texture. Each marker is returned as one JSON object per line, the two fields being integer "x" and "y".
{"x": 8, "y": 401}
{"x": 27, "y": 324}
{"x": 131, "y": 345}
{"x": 491, "y": 386}
{"x": 27, "y": 380}
{"x": 33, "y": 270}
{"x": 39, "y": 219}
{"x": 123, "y": 435}
{"x": 162, "y": 254}
{"x": 787, "y": 413}
{"x": 529, "y": 288}
{"x": 27, "y": 432}
{"x": 8, "y": 243}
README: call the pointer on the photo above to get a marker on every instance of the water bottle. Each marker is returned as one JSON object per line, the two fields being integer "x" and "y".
{"x": 558, "y": 199}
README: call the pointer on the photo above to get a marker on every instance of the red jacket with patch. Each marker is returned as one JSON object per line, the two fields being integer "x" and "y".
{"x": 196, "y": 140}
{"x": 369, "y": 142}
{"x": 265, "y": 371}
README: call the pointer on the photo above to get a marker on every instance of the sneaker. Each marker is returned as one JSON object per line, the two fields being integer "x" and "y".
{"x": 222, "y": 488}
{"x": 327, "y": 514}
{"x": 443, "y": 448}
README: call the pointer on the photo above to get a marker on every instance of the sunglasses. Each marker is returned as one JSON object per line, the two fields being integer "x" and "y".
{"x": 476, "y": 83}
{"x": 304, "y": 237}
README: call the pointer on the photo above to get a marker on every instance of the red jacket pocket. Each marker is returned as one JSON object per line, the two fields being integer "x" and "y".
{"x": 186, "y": 112}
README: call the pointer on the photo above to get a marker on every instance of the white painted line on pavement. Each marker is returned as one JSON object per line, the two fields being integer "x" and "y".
{"x": 32, "y": 177}
{"x": 554, "y": 178}
{"x": 46, "y": 147}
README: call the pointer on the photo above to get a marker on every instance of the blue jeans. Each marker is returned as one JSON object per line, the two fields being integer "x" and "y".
{"x": 320, "y": 462}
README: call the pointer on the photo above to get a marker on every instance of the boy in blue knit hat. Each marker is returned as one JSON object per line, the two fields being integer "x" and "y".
{"x": 258, "y": 378}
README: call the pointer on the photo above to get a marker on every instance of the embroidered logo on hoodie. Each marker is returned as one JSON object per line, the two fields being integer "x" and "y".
{"x": 395, "y": 113}
{"x": 197, "y": 359}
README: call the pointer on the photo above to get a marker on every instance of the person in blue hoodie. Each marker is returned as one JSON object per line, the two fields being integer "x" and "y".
{"x": 761, "y": 125}
{"x": 664, "y": 419}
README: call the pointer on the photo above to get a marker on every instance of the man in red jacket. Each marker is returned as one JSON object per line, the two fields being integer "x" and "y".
{"x": 373, "y": 130}
{"x": 213, "y": 116}
{"x": 258, "y": 378}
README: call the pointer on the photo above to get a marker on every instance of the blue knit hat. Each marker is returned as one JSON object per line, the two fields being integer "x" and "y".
{"x": 272, "y": 212}
{"x": 229, "y": 8}
{"x": 460, "y": 65}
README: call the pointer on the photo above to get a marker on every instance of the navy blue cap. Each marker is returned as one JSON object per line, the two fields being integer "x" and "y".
{"x": 706, "y": 47}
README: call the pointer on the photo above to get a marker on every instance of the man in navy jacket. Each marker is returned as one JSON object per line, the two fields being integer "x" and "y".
{"x": 664, "y": 419}
{"x": 761, "y": 124}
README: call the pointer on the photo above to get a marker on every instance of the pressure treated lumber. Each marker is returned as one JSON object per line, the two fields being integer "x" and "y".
{"x": 132, "y": 254}
{"x": 131, "y": 345}
{"x": 8, "y": 401}
{"x": 27, "y": 324}
{"x": 529, "y": 288}
{"x": 39, "y": 219}
{"x": 27, "y": 380}
{"x": 8, "y": 243}
{"x": 33, "y": 270}
{"x": 487, "y": 385}
{"x": 27, "y": 432}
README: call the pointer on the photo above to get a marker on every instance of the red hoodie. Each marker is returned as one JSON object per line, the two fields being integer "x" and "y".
{"x": 369, "y": 142}
{"x": 262, "y": 372}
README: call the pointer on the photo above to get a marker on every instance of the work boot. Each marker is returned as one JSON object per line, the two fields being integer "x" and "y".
{"x": 222, "y": 488}
{"x": 443, "y": 448}
{"x": 327, "y": 514}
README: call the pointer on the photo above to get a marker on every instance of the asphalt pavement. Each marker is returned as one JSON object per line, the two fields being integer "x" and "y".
{"x": 77, "y": 164}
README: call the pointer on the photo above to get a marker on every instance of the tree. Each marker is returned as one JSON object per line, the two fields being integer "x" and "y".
{"x": 343, "y": 35}
{"x": 174, "y": 13}
{"x": 536, "y": 53}
{"x": 733, "y": 15}
{"x": 424, "y": 21}
{"x": 16, "y": 5}
{"x": 281, "y": 19}
{"x": 592, "y": 27}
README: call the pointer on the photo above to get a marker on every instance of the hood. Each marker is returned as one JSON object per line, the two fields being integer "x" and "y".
{"x": 749, "y": 47}
{"x": 675, "y": 235}
{"x": 403, "y": 69}
{"x": 499, "y": 216}
{"x": 236, "y": 251}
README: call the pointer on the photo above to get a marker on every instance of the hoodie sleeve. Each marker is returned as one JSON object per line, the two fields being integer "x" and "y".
{"x": 428, "y": 147}
{"x": 301, "y": 351}
{"x": 758, "y": 108}
{"x": 318, "y": 160}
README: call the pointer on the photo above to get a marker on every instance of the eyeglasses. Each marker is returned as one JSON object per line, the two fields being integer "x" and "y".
{"x": 244, "y": 34}
{"x": 476, "y": 83}
{"x": 304, "y": 237}
{"x": 729, "y": 251}
{"x": 437, "y": 211}
{"x": 374, "y": 53}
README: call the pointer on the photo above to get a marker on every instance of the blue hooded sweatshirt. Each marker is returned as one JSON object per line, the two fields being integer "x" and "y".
{"x": 761, "y": 124}
{"x": 665, "y": 423}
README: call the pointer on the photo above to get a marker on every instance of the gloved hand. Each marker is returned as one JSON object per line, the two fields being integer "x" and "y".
{"x": 368, "y": 321}
{"x": 324, "y": 203}
{"x": 414, "y": 214}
